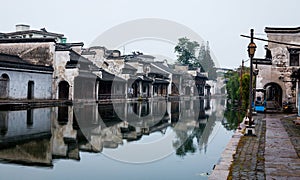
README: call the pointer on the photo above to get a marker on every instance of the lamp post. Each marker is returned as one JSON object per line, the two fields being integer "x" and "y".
{"x": 251, "y": 52}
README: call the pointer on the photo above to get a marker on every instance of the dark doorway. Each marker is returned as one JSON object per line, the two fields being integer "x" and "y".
{"x": 4, "y": 86}
{"x": 63, "y": 90}
{"x": 30, "y": 92}
{"x": 135, "y": 88}
{"x": 273, "y": 94}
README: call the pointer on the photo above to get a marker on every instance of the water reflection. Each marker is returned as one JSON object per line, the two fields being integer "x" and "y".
{"x": 39, "y": 136}
{"x": 25, "y": 136}
{"x": 233, "y": 116}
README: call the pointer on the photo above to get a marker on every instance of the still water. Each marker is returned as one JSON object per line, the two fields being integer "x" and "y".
{"x": 133, "y": 140}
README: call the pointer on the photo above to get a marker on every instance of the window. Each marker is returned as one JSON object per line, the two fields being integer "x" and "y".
{"x": 294, "y": 59}
{"x": 294, "y": 56}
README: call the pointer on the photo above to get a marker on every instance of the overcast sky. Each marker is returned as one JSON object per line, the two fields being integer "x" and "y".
{"x": 221, "y": 22}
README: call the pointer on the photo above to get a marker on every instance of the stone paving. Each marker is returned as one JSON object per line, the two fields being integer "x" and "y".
{"x": 281, "y": 159}
{"x": 272, "y": 154}
{"x": 249, "y": 158}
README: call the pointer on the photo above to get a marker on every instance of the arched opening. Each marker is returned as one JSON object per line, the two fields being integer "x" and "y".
{"x": 30, "y": 90}
{"x": 4, "y": 86}
{"x": 63, "y": 90}
{"x": 273, "y": 95}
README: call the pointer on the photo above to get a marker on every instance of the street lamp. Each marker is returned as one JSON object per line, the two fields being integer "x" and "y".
{"x": 251, "y": 52}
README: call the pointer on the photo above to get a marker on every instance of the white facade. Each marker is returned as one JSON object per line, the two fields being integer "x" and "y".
{"x": 19, "y": 81}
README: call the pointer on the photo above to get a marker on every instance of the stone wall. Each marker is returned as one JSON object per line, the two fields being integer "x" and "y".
{"x": 63, "y": 74}
{"x": 40, "y": 53}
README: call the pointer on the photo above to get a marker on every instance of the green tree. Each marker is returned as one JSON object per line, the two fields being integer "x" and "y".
{"x": 232, "y": 85}
{"x": 245, "y": 90}
{"x": 235, "y": 90}
{"x": 234, "y": 115}
{"x": 206, "y": 61}
{"x": 185, "y": 50}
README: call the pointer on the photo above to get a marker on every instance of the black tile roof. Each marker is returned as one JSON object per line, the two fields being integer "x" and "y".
{"x": 26, "y": 40}
{"x": 201, "y": 75}
{"x": 34, "y": 32}
{"x": 127, "y": 66}
{"x": 106, "y": 76}
{"x": 85, "y": 52}
{"x": 282, "y": 29}
{"x": 66, "y": 46}
{"x": 12, "y": 61}
{"x": 76, "y": 60}
{"x": 155, "y": 70}
{"x": 2, "y": 35}
{"x": 166, "y": 68}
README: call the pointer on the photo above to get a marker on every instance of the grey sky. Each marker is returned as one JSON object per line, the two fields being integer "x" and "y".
{"x": 217, "y": 21}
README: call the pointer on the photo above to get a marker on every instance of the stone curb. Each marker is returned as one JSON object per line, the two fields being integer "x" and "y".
{"x": 221, "y": 170}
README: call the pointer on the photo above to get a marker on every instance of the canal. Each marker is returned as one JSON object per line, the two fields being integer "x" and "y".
{"x": 132, "y": 140}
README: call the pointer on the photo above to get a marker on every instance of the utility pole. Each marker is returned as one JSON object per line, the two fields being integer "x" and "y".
{"x": 251, "y": 52}
{"x": 241, "y": 84}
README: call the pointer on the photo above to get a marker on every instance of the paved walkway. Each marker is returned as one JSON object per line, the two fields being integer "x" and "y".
{"x": 271, "y": 154}
{"x": 281, "y": 159}
{"x": 249, "y": 158}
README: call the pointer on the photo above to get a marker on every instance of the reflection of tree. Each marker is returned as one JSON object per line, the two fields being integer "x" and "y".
{"x": 232, "y": 117}
{"x": 187, "y": 147}
{"x": 184, "y": 141}
{"x": 201, "y": 132}
{"x": 203, "y": 138}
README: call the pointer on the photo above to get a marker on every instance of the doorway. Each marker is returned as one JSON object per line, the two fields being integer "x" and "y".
{"x": 63, "y": 90}
{"x": 30, "y": 91}
{"x": 273, "y": 94}
{"x": 4, "y": 86}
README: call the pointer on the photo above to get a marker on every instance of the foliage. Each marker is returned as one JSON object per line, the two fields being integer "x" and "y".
{"x": 186, "y": 51}
{"x": 187, "y": 147}
{"x": 232, "y": 85}
{"x": 233, "y": 116}
{"x": 207, "y": 63}
{"x": 234, "y": 88}
{"x": 245, "y": 90}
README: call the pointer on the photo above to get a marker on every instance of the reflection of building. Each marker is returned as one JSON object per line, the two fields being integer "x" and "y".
{"x": 90, "y": 127}
{"x": 25, "y": 136}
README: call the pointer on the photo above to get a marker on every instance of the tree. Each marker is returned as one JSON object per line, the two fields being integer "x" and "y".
{"x": 232, "y": 85}
{"x": 207, "y": 63}
{"x": 234, "y": 90}
{"x": 186, "y": 51}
